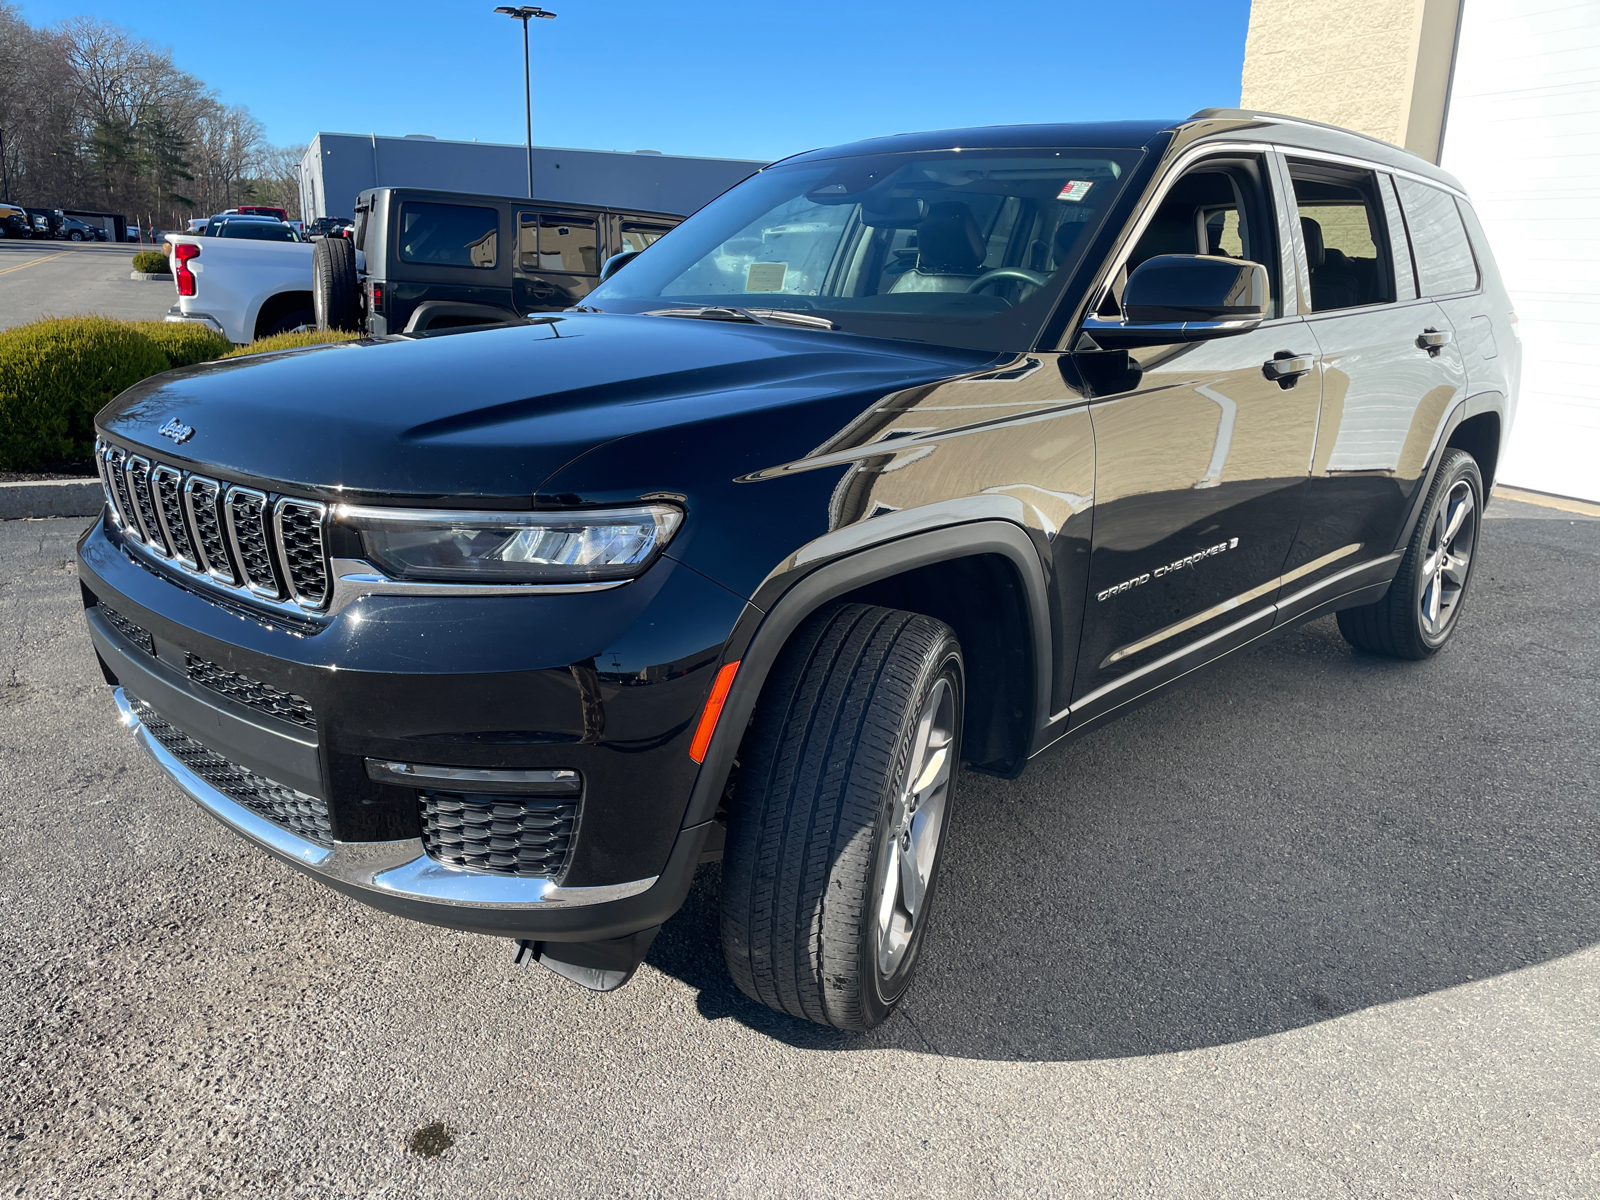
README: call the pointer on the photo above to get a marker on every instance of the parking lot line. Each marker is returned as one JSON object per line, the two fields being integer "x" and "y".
{"x": 34, "y": 262}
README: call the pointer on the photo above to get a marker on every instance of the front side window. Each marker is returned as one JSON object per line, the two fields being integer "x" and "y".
{"x": 961, "y": 248}
{"x": 449, "y": 235}
{"x": 1438, "y": 239}
{"x": 1341, "y": 224}
{"x": 551, "y": 242}
{"x": 637, "y": 237}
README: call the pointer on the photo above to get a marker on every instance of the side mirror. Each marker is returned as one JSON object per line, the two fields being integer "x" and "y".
{"x": 616, "y": 262}
{"x": 1185, "y": 298}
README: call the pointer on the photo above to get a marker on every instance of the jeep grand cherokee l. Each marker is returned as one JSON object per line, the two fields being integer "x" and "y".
{"x": 929, "y": 452}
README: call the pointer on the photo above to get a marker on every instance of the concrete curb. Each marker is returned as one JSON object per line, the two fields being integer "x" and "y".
{"x": 50, "y": 498}
{"x": 167, "y": 275}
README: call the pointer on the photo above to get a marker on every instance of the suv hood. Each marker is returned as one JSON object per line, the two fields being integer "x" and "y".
{"x": 485, "y": 417}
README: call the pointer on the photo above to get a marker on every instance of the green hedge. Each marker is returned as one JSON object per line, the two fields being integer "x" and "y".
{"x": 55, "y": 375}
{"x": 293, "y": 341}
{"x": 152, "y": 262}
{"x": 185, "y": 342}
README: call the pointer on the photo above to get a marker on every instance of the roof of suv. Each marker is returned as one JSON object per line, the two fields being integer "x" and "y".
{"x": 1239, "y": 123}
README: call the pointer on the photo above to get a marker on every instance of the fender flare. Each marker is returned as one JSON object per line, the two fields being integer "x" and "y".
{"x": 759, "y": 636}
{"x": 1475, "y": 405}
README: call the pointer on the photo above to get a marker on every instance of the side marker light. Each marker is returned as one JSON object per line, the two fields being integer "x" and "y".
{"x": 713, "y": 709}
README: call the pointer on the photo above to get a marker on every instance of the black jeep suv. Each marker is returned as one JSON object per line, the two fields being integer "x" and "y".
{"x": 932, "y": 451}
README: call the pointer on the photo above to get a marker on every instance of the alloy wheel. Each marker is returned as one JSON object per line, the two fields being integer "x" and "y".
{"x": 1451, "y": 542}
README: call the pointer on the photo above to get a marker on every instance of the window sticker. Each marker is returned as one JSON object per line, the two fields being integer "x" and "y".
{"x": 1075, "y": 190}
{"x": 765, "y": 277}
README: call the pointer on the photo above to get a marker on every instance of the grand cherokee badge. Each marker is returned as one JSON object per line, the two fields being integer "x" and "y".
{"x": 177, "y": 431}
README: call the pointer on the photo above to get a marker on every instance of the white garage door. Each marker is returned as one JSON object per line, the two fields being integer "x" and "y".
{"x": 1523, "y": 135}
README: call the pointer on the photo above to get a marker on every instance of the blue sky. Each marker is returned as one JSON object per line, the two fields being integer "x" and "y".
{"x": 739, "y": 80}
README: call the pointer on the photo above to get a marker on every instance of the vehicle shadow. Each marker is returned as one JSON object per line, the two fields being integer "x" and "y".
{"x": 1305, "y": 832}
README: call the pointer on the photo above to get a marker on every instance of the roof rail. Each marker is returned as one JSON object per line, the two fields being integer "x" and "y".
{"x": 1247, "y": 113}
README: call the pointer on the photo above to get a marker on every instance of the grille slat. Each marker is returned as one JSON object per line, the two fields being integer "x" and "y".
{"x": 274, "y": 548}
{"x": 166, "y": 485}
{"x": 247, "y": 532}
{"x": 252, "y": 692}
{"x": 136, "y": 634}
{"x": 139, "y": 482}
{"x": 295, "y": 811}
{"x": 503, "y": 835}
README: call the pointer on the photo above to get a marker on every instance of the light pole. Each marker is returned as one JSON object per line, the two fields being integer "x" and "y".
{"x": 526, "y": 13}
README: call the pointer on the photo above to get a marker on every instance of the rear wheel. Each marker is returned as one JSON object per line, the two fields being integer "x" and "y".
{"x": 75, "y": 236}
{"x": 335, "y": 291}
{"x": 844, "y": 794}
{"x": 1423, "y": 605}
{"x": 289, "y": 322}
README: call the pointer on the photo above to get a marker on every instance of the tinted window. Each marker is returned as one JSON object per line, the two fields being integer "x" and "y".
{"x": 449, "y": 235}
{"x": 968, "y": 248}
{"x": 1342, "y": 224}
{"x": 259, "y": 231}
{"x": 1438, "y": 239}
{"x": 637, "y": 237}
{"x": 550, "y": 242}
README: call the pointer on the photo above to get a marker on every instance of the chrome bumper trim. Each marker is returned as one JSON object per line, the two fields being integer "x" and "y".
{"x": 399, "y": 869}
{"x": 176, "y": 314}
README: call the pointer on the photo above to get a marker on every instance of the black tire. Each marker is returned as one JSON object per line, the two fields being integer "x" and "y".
{"x": 335, "y": 291}
{"x": 75, "y": 236}
{"x": 821, "y": 818}
{"x": 1400, "y": 625}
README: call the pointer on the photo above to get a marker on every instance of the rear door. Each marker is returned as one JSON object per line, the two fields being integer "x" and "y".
{"x": 1385, "y": 390}
{"x": 1200, "y": 459}
{"x": 558, "y": 259}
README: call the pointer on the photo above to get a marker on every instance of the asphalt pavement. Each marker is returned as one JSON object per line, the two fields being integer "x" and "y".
{"x": 1319, "y": 924}
{"x": 40, "y": 278}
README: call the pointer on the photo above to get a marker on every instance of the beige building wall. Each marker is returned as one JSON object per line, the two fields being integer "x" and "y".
{"x": 1380, "y": 67}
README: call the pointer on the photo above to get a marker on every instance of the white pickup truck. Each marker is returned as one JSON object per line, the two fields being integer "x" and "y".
{"x": 243, "y": 288}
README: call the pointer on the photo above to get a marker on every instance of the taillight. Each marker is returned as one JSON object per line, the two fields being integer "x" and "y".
{"x": 377, "y": 297}
{"x": 182, "y": 253}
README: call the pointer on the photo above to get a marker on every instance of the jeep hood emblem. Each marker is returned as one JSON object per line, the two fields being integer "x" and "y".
{"x": 177, "y": 431}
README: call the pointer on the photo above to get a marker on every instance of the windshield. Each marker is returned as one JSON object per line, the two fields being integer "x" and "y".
{"x": 260, "y": 231}
{"x": 958, "y": 247}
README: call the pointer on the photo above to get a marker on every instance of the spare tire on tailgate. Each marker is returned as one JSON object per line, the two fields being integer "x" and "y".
{"x": 335, "y": 291}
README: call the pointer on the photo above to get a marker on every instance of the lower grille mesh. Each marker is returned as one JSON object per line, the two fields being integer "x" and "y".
{"x": 136, "y": 634}
{"x": 261, "y": 696}
{"x": 293, "y": 810}
{"x": 505, "y": 835}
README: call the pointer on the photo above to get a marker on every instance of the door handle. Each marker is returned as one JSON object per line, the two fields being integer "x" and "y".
{"x": 541, "y": 289}
{"x": 1285, "y": 368}
{"x": 1433, "y": 340}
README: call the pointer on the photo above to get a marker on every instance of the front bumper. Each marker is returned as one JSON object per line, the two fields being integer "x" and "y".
{"x": 398, "y": 876}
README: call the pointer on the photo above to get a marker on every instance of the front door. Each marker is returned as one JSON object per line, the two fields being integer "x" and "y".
{"x": 1200, "y": 462}
{"x": 558, "y": 260}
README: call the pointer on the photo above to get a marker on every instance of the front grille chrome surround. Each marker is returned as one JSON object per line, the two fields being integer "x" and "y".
{"x": 100, "y": 450}
{"x": 201, "y": 499}
{"x": 246, "y": 510}
{"x": 166, "y": 489}
{"x": 298, "y": 527}
{"x": 138, "y": 472}
{"x": 116, "y": 468}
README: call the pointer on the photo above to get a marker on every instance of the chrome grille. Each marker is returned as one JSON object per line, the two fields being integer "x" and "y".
{"x": 139, "y": 483}
{"x": 200, "y": 497}
{"x": 504, "y": 835}
{"x": 271, "y": 548}
{"x": 294, "y": 810}
{"x": 247, "y": 530}
{"x": 263, "y": 697}
{"x": 299, "y": 530}
{"x": 166, "y": 484}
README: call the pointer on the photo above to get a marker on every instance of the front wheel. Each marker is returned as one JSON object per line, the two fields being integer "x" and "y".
{"x": 846, "y": 780}
{"x": 1423, "y": 605}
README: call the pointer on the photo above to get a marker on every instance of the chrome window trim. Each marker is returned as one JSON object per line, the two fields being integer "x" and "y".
{"x": 398, "y": 869}
{"x": 248, "y": 493}
{"x": 225, "y": 575}
{"x": 289, "y": 584}
{"x": 1348, "y": 160}
{"x": 163, "y": 470}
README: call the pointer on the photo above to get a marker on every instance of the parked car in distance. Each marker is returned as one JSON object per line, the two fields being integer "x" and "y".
{"x": 437, "y": 260}
{"x": 79, "y": 231}
{"x": 932, "y": 451}
{"x": 256, "y": 228}
{"x": 15, "y": 221}
{"x": 244, "y": 287}
{"x": 263, "y": 210}
{"x": 46, "y": 222}
{"x": 327, "y": 226}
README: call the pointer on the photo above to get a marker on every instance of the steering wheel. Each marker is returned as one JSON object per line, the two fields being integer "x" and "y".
{"x": 995, "y": 276}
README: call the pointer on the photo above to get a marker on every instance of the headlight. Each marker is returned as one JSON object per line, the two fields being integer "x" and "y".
{"x": 513, "y": 547}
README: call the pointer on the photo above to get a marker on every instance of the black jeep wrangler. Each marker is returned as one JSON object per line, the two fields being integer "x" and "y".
{"x": 930, "y": 452}
{"x": 446, "y": 260}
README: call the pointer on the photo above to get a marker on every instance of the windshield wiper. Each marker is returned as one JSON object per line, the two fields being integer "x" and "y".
{"x": 749, "y": 316}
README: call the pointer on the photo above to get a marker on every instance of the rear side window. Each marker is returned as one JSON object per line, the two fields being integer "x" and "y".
{"x": 1341, "y": 224}
{"x": 551, "y": 242}
{"x": 449, "y": 235}
{"x": 1438, "y": 239}
{"x": 637, "y": 237}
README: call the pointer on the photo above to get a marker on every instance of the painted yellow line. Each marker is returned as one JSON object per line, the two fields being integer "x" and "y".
{"x": 33, "y": 262}
{"x": 1565, "y": 504}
